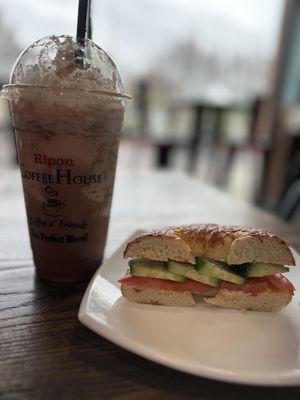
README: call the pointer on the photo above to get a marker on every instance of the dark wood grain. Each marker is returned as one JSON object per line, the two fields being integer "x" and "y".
{"x": 45, "y": 353}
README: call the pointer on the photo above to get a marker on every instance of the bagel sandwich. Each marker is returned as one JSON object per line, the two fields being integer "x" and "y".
{"x": 226, "y": 266}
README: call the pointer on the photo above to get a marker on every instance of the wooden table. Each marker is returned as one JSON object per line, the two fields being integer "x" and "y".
{"x": 47, "y": 354}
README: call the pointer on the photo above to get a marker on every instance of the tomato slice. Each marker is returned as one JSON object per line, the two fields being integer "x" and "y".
{"x": 276, "y": 283}
{"x": 139, "y": 282}
{"x": 248, "y": 287}
{"x": 281, "y": 283}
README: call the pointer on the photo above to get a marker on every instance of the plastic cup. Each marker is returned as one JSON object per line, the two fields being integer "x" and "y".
{"x": 67, "y": 106}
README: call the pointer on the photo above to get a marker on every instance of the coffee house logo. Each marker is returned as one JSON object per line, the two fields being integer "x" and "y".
{"x": 60, "y": 176}
{"x": 52, "y": 207}
{"x": 61, "y": 173}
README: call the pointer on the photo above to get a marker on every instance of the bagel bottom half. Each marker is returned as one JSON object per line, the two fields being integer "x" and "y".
{"x": 159, "y": 297}
{"x": 264, "y": 301}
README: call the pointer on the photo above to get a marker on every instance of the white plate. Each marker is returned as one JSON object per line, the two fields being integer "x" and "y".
{"x": 254, "y": 347}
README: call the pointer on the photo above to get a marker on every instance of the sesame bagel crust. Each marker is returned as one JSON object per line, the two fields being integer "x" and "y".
{"x": 231, "y": 244}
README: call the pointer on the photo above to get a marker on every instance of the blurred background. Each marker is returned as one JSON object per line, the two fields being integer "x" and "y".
{"x": 215, "y": 86}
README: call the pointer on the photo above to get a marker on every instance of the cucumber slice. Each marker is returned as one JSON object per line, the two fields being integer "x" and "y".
{"x": 190, "y": 272}
{"x": 153, "y": 269}
{"x": 261, "y": 269}
{"x": 218, "y": 271}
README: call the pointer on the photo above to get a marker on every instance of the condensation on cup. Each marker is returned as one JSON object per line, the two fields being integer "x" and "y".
{"x": 67, "y": 105}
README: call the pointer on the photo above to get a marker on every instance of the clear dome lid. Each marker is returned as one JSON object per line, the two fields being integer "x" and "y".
{"x": 63, "y": 62}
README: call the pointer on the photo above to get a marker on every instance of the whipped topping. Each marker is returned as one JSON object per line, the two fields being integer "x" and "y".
{"x": 61, "y": 61}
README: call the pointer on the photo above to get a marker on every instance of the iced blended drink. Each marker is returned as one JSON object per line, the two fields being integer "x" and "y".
{"x": 67, "y": 107}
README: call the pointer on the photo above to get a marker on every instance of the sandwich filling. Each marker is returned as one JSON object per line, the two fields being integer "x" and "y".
{"x": 207, "y": 277}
